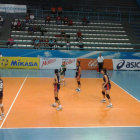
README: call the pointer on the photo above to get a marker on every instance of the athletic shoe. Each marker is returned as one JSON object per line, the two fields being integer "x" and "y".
{"x": 109, "y": 106}
{"x": 53, "y": 105}
{"x": 103, "y": 101}
{"x": 0, "y": 118}
{"x": 2, "y": 114}
{"x": 77, "y": 90}
{"x": 59, "y": 108}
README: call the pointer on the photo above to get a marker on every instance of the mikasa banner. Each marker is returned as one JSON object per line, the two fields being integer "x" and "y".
{"x": 12, "y": 8}
{"x": 55, "y": 63}
{"x": 126, "y": 64}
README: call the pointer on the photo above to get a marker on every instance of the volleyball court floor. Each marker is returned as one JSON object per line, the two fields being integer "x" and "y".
{"x": 28, "y": 95}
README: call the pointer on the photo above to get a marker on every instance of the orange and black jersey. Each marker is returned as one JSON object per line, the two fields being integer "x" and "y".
{"x": 78, "y": 71}
{"x": 108, "y": 85}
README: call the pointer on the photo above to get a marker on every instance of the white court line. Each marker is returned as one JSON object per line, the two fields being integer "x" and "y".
{"x": 126, "y": 92}
{"x": 74, "y": 127}
{"x": 13, "y": 102}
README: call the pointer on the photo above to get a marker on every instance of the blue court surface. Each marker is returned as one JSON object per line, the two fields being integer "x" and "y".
{"x": 127, "y": 80}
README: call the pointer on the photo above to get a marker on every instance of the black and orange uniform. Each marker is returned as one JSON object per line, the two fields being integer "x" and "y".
{"x": 108, "y": 85}
{"x": 57, "y": 83}
{"x": 78, "y": 72}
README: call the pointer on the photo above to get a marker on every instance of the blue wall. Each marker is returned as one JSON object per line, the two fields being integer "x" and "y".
{"x": 68, "y": 54}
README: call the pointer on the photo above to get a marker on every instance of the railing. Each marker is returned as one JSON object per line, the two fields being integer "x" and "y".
{"x": 130, "y": 16}
{"x": 64, "y": 46}
{"x": 118, "y": 16}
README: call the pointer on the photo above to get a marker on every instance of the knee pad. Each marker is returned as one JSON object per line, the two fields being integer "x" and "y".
{"x": 103, "y": 92}
{"x": 78, "y": 82}
{"x": 1, "y": 105}
{"x": 107, "y": 95}
{"x": 56, "y": 99}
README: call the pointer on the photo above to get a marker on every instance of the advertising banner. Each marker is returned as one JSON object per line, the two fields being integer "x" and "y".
{"x": 92, "y": 64}
{"x": 55, "y": 63}
{"x": 19, "y": 62}
{"x": 126, "y": 64}
{"x": 12, "y": 8}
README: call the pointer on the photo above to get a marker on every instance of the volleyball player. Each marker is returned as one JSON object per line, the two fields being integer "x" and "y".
{"x": 106, "y": 86}
{"x": 62, "y": 73}
{"x": 56, "y": 90}
{"x": 1, "y": 98}
{"x": 78, "y": 75}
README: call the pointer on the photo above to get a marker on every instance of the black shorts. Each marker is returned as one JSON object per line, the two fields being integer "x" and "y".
{"x": 108, "y": 86}
{"x": 62, "y": 73}
{"x": 56, "y": 87}
{"x": 1, "y": 94}
{"x": 77, "y": 75}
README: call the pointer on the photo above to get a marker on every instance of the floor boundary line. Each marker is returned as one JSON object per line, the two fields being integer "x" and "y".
{"x": 14, "y": 100}
{"x": 75, "y": 127}
{"x": 126, "y": 91}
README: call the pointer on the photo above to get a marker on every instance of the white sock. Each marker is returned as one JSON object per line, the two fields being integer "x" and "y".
{"x": 60, "y": 106}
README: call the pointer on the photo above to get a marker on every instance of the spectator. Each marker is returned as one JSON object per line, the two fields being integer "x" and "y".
{"x": 32, "y": 18}
{"x": 79, "y": 35}
{"x": 19, "y": 25}
{"x": 47, "y": 42}
{"x": 65, "y": 20}
{"x": 30, "y": 30}
{"x": 27, "y": 18}
{"x": 68, "y": 45}
{"x": 59, "y": 9}
{"x": 81, "y": 45}
{"x": 53, "y": 11}
{"x": 55, "y": 43}
{"x": 23, "y": 25}
{"x": 58, "y": 20}
{"x": 47, "y": 20}
{"x": 51, "y": 43}
{"x": 36, "y": 43}
{"x": 14, "y": 25}
{"x": 84, "y": 21}
{"x": 10, "y": 42}
{"x": 70, "y": 23}
{"x": 100, "y": 61}
{"x": 1, "y": 20}
{"x": 42, "y": 42}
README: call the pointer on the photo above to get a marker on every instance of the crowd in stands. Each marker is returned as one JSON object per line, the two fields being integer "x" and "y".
{"x": 1, "y": 21}
{"x": 28, "y": 25}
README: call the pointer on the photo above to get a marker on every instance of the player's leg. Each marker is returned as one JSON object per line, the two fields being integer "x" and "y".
{"x": 55, "y": 96}
{"x": 2, "y": 108}
{"x": 58, "y": 101}
{"x": 103, "y": 93}
{"x": 78, "y": 83}
{"x": 62, "y": 79}
{"x": 108, "y": 96}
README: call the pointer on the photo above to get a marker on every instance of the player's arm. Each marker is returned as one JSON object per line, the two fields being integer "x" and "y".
{"x": 55, "y": 80}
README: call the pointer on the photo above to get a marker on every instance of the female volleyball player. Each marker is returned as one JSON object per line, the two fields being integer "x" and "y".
{"x": 56, "y": 90}
{"x": 1, "y": 98}
{"x": 106, "y": 86}
{"x": 78, "y": 76}
{"x": 62, "y": 73}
